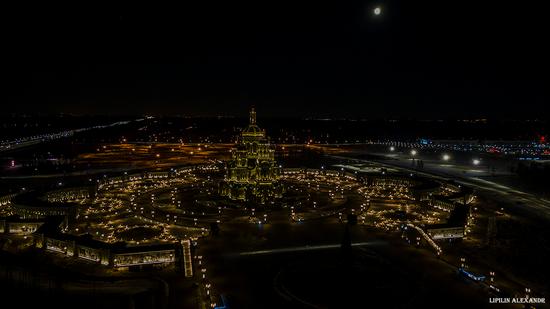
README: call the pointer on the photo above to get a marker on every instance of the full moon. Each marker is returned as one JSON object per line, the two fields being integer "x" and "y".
{"x": 377, "y": 11}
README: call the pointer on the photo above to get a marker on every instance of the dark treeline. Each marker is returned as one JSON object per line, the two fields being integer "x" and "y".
{"x": 535, "y": 175}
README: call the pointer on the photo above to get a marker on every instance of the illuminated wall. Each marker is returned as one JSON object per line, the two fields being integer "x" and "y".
{"x": 112, "y": 254}
{"x": 144, "y": 258}
{"x": 446, "y": 232}
{"x": 22, "y": 227}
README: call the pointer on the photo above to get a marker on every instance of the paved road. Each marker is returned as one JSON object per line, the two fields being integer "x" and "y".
{"x": 531, "y": 202}
{"x": 297, "y": 265}
{"x": 309, "y": 248}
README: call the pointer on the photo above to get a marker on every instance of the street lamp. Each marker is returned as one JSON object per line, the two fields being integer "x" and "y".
{"x": 476, "y": 161}
{"x": 446, "y": 157}
{"x": 392, "y": 148}
{"x": 413, "y": 152}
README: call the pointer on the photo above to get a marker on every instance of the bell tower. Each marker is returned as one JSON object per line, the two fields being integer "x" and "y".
{"x": 252, "y": 116}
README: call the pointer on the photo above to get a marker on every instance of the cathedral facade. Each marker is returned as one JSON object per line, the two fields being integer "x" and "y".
{"x": 252, "y": 173}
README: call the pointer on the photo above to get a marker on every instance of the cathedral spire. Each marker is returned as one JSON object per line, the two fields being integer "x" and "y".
{"x": 252, "y": 116}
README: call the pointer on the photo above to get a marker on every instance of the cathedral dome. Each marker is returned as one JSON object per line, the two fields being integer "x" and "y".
{"x": 252, "y": 129}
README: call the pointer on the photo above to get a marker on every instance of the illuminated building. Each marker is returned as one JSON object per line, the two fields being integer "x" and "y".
{"x": 252, "y": 173}
{"x": 16, "y": 225}
{"x": 49, "y": 237}
{"x": 455, "y": 226}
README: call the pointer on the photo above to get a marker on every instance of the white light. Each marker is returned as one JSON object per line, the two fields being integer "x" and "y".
{"x": 392, "y": 148}
{"x": 377, "y": 10}
{"x": 413, "y": 152}
{"x": 446, "y": 157}
{"x": 476, "y": 162}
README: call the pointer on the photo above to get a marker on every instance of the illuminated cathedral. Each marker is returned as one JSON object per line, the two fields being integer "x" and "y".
{"x": 252, "y": 173}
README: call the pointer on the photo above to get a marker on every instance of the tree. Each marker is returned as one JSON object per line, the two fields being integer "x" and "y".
{"x": 345, "y": 247}
{"x": 214, "y": 229}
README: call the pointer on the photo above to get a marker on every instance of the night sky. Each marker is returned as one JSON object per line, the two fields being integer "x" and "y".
{"x": 418, "y": 59}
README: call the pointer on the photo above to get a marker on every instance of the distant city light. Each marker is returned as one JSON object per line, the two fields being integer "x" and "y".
{"x": 392, "y": 148}
{"x": 446, "y": 157}
{"x": 413, "y": 152}
{"x": 476, "y": 161}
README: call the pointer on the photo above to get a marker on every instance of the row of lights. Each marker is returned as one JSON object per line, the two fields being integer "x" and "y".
{"x": 444, "y": 157}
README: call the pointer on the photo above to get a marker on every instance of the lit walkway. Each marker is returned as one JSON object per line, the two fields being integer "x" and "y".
{"x": 310, "y": 248}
